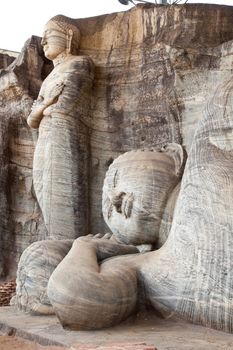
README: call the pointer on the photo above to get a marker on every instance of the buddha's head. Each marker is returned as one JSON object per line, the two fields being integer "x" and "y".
{"x": 61, "y": 35}
{"x": 136, "y": 189}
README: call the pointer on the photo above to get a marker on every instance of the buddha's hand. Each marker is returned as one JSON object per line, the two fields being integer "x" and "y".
{"x": 37, "y": 104}
{"x": 36, "y": 114}
{"x": 44, "y": 102}
{"x": 105, "y": 248}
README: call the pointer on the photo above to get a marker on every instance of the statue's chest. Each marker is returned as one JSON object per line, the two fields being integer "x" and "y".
{"x": 54, "y": 78}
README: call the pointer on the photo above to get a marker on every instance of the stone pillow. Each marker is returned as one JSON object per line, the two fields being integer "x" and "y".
{"x": 34, "y": 270}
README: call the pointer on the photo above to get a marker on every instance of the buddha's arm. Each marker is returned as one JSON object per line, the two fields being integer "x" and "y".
{"x": 88, "y": 295}
{"x": 36, "y": 114}
{"x": 39, "y": 105}
{"x": 75, "y": 97}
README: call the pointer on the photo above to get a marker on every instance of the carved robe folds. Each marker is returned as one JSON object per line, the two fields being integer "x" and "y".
{"x": 60, "y": 167}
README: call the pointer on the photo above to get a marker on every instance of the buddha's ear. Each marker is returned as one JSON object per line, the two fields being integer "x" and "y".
{"x": 69, "y": 38}
{"x": 178, "y": 154}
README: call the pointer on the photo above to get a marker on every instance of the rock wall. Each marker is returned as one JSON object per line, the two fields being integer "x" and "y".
{"x": 20, "y": 219}
{"x": 5, "y": 60}
{"x": 155, "y": 67}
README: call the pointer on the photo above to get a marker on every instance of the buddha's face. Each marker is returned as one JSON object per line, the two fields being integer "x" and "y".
{"x": 54, "y": 41}
{"x": 128, "y": 206}
{"x": 135, "y": 192}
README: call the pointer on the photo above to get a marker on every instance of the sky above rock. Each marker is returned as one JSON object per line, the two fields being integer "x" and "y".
{"x": 22, "y": 18}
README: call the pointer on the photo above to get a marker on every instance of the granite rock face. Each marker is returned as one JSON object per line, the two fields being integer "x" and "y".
{"x": 20, "y": 221}
{"x": 151, "y": 87}
{"x": 5, "y": 60}
{"x": 155, "y": 67}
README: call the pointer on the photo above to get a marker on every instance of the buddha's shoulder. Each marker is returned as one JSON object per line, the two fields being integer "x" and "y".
{"x": 84, "y": 62}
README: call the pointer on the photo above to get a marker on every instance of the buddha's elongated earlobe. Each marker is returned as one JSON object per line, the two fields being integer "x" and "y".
{"x": 69, "y": 38}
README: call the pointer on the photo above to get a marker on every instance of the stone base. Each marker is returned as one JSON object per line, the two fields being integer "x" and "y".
{"x": 148, "y": 329}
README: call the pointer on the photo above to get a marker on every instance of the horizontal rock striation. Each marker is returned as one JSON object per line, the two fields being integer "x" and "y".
{"x": 192, "y": 273}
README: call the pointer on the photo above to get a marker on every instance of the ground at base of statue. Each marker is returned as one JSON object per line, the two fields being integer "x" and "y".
{"x": 141, "y": 332}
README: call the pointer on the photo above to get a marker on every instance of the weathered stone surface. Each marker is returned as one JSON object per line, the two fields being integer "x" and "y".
{"x": 199, "y": 248}
{"x": 155, "y": 67}
{"x": 20, "y": 217}
{"x": 16, "y": 343}
{"x": 36, "y": 265}
{"x": 115, "y": 346}
{"x": 5, "y": 60}
{"x": 164, "y": 334}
